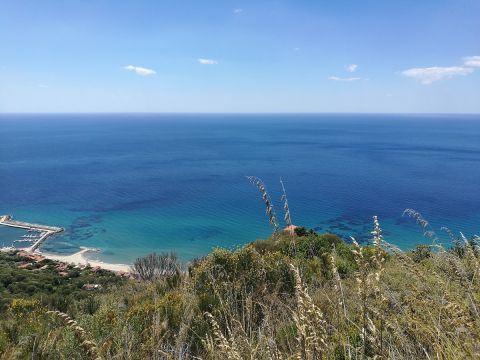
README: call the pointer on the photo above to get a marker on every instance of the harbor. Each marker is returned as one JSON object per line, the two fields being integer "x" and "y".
{"x": 43, "y": 232}
{"x": 37, "y": 234}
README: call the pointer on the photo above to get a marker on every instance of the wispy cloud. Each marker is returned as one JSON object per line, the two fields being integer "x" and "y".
{"x": 207, "y": 61}
{"x": 140, "y": 70}
{"x": 43, "y": 86}
{"x": 237, "y": 11}
{"x": 336, "y": 78}
{"x": 352, "y": 67}
{"x": 430, "y": 74}
{"x": 472, "y": 61}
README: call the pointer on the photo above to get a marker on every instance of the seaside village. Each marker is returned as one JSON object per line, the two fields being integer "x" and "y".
{"x": 38, "y": 262}
{"x": 30, "y": 258}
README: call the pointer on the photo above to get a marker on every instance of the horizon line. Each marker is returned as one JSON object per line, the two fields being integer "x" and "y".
{"x": 227, "y": 113}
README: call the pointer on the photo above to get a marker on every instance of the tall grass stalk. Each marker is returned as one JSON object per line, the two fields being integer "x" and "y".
{"x": 88, "y": 346}
{"x": 310, "y": 324}
{"x": 427, "y": 230}
{"x": 270, "y": 210}
{"x": 287, "y": 217}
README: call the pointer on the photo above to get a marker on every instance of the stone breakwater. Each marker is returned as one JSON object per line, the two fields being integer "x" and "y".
{"x": 45, "y": 230}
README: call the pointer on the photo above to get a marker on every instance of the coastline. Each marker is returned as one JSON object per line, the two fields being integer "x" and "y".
{"x": 79, "y": 258}
{"x": 45, "y": 231}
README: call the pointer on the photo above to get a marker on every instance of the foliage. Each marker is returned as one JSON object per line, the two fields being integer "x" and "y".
{"x": 156, "y": 265}
{"x": 307, "y": 296}
{"x": 44, "y": 282}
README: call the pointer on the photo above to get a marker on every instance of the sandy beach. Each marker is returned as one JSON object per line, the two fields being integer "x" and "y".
{"x": 45, "y": 231}
{"x": 79, "y": 258}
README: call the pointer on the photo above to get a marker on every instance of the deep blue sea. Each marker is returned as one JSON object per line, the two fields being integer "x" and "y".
{"x": 131, "y": 184}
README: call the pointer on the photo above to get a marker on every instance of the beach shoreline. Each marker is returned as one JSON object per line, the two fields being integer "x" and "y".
{"x": 79, "y": 258}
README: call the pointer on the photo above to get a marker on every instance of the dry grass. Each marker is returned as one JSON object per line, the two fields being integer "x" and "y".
{"x": 270, "y": 210}
{"x": 88, "y": 346}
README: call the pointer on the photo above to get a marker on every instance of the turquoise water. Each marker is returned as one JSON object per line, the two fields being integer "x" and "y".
{"x": 130, "y": 184}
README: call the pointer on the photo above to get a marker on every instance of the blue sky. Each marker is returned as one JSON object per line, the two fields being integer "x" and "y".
{"x": 240, "y": 56}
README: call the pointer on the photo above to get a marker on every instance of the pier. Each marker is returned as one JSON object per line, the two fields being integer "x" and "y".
{"x": 44, "y": 230}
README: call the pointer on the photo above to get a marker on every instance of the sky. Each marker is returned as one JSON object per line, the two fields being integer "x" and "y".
{"x": 387, "y": 56}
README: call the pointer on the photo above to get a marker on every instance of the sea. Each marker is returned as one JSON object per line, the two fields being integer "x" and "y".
{"x": 132, "y": 184}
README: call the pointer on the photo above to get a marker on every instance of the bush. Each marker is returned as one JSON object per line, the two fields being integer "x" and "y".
{"x": 154, "y": 266}
{"x": 421, "y": 252}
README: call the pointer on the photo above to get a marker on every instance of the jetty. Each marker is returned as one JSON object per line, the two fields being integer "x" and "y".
{"x": 44, "y": 230}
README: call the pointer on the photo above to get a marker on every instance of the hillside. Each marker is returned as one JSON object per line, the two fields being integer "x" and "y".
{"x": 299, "y": 295}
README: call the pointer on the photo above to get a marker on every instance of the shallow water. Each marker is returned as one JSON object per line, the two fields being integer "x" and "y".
{"x": 131, "y": 184}
{"x": 8, "y": 236}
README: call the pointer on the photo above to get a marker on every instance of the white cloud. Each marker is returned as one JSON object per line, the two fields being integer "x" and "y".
{"x": 336, "y": 78}
{"x": 140, "y": 70}
{"x": 43, "y": 86}
{"x": 472, "y": 61}
{"x": 207, "y": 61}
{"x": 429, "y": 75}
{"x": 237, "y": 11}
{"x": 352, "y": 67}
{"x": 296, "y": 49}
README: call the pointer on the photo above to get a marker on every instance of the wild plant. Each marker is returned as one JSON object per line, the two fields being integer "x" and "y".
{"x": 365, "y": 284}
{"x": 427, "y": 230}
{"x": 432, "y": 311}
{"x": 370, "y": 266}
{"x": 338, "y": 287}
{"x": 310, "y": 324}
{"x": 377, "y": 232}
{"x": 153, "y": 266}
{"x": 270, "y": 210}
{"x": 457, "y": 248}
{"x": 240, "y": 339}
{"x": 88, "y": 346}
{"x": 286, "y": 208}
{"x": 343, "y": 319}
{"x": 472, "y": 255}
{"x": 287, "y": 217}
{"x": 218, "y": 344}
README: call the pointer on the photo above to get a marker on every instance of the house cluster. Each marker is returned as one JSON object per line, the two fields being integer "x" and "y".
{"x": 90, "y": 287}
{"x": 33, "y": 257}
{"x": 33, "y": 261}
{"x": 61, "y": 268}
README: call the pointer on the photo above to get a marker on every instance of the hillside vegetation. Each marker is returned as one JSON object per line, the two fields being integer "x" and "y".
{"x": 56, "y": 285}
{"x": 298, "y": 295}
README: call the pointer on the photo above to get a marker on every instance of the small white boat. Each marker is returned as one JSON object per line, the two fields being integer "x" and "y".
{"x": 24, "y": 240}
